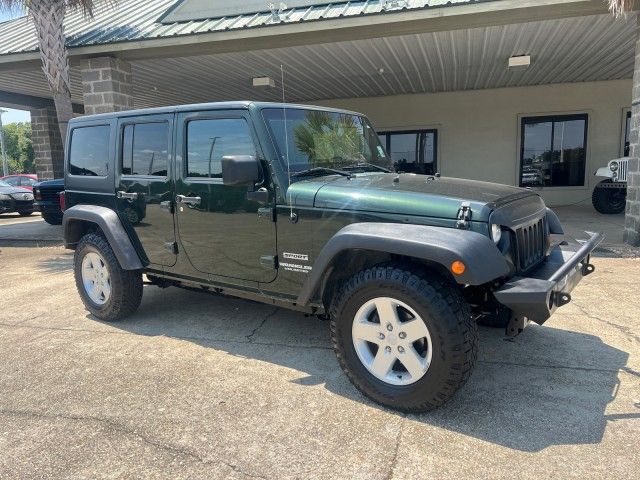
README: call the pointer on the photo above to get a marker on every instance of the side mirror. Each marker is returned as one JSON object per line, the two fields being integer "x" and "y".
{"x": 240, "y": 170}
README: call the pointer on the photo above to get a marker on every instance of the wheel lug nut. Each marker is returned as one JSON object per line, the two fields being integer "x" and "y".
{"x": 402, "y": 335}
{"x": 401, "y": 349}
{"x": 389, "y": 327}
{"x": 381, "y": 336}
{"x": 387, "y": 349}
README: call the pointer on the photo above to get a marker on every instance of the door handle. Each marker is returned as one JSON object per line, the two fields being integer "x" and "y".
{"x": 188, "y": 200}
{"x": 126, "y": 195}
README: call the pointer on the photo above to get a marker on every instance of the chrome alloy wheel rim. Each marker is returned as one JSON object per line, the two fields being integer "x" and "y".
{"x": 392, "y": 341}
{"x": 95, "y": 278}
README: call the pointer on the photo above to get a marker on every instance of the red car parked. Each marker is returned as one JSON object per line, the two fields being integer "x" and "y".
{"x": 24, "y": 180}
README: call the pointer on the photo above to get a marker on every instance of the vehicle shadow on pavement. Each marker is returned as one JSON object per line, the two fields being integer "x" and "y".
{"x": 546, "y": 387}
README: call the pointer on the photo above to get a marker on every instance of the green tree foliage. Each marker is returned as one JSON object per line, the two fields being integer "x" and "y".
{"x": 20, "y": 155}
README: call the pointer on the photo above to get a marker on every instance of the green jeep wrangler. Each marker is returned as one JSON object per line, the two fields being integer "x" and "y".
{"x": 298, "y": 206}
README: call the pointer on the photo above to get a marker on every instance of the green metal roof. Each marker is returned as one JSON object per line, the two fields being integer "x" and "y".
{"x": 134, "y": 20}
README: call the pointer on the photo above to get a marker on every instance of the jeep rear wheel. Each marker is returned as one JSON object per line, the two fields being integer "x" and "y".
{"x": 403, "y": 340}
{"x": 108, "y": 291}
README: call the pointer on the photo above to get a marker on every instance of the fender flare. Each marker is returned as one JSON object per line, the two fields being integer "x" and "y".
{"x": 111, "y": 227}
{"x": 604, "y": 172}
{"x": 553, "y": 221}
{"x": 440, "y": 245}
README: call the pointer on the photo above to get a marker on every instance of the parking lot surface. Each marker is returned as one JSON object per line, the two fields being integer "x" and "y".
{"x": 200, "y": 386}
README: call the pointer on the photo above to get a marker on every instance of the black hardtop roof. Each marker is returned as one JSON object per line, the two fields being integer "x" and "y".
{"x": 236, "y": 105}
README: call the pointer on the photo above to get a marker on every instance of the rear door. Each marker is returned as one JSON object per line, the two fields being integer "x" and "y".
{"x": 145, "y": 185}
{"x": 220, "y": 228}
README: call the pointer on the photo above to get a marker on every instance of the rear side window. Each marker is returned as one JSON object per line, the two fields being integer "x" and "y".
{"x": 89, "y": 152}
{"x": 210, "y": 140}
{"x": 28, "y": 181}
{"x": 145, "y": 149}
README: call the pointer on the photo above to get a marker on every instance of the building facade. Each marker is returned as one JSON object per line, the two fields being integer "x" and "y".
{"x": 536, "y": 94}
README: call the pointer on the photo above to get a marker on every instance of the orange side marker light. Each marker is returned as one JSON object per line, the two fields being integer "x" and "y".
{"x": 458, "y": 268}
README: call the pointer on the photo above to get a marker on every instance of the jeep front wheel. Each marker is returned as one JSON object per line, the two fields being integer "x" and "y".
{"x": 609, "y": 200}
{"x": 405, "y": 341}
{"x": 108, "y": 291}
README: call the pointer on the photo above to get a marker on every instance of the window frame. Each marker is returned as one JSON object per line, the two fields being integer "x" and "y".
{"x": 553, "y": 118}
{"x": 120, "y": 153}
{"x": 109, "y": 145}
{"x": 403, "y": 131}
{"x": 212, "y": 115}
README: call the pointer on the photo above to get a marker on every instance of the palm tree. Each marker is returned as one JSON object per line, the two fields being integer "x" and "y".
{"x": 48, "y": 19}
{"x": 620, "y": 7}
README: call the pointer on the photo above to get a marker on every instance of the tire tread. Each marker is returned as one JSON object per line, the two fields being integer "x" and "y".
{"x": 450, "y": 306}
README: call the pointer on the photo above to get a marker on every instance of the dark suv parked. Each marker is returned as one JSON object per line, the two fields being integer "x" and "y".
{"x": 296, "y": 206}
{"x": 47, "y": 196}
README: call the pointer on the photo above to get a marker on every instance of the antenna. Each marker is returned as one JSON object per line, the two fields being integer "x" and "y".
{"x": 286, "y": 142}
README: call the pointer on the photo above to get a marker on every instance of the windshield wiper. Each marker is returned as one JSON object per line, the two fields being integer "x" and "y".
{"x": 320, "y": 171}
{"x": 366, "y": 165}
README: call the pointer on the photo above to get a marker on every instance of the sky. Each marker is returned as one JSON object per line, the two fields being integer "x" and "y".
{"x": 12, "y": 115}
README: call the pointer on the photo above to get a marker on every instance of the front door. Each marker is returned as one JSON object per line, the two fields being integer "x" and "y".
{"x": 144, "y": 193}
{"x": 220, "y": 229}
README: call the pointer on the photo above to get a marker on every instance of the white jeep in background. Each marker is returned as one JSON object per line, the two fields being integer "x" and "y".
{"x": 610, "y": 195}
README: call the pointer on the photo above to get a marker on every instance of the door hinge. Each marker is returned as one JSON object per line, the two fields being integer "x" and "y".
{"x": 464, "y": 215}
{"x": 267, "y": 213}
{"x": 269, "y": 261}
{"x": 172, "y": 247}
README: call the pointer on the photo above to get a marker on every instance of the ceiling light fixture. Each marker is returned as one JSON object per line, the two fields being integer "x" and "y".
{"x": 519, "y": 62}
{"x": 264, "y": 82}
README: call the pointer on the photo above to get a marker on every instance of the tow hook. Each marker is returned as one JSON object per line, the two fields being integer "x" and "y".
{"x": 587, "y": 269}
{"x": 561, "y": 298}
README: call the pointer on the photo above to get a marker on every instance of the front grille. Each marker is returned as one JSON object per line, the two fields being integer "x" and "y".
{"x": 49, "y": 195}
{"x": 623, "y": 165}
{"x": 531, "y": 244}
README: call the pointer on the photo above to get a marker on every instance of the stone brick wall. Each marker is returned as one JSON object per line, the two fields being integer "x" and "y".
{"x": 107, "y": 85}
{"x": 47, "y": 143}
{"x": 632, "y": 215}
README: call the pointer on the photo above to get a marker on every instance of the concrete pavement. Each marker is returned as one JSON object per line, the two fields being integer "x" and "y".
{"x": 16, "y": 230}
{"x": 199, "y": 386}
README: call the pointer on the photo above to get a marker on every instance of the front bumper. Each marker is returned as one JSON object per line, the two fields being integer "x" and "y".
{"x": 8, "y": 206}
{"x": 47, "y": 207}
{"x": 547, "y": 287}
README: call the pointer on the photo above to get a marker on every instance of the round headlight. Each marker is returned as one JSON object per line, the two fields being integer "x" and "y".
{"x": 613, "y": 166}
{"x": 496, "y": 233}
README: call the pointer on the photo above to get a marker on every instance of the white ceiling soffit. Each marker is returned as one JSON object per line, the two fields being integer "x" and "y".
{"x": 568, "y": 50}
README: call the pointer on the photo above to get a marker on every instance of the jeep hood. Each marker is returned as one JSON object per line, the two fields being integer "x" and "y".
{"x": 404, "y": 194}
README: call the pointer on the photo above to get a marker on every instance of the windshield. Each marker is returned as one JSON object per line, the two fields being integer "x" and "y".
{"x": 318, "y": 140}
{"x": 4, "y": 184}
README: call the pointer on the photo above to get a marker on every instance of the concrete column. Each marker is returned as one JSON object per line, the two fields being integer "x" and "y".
{"x": 632, "y": 212}
{"x": 107, "y": 85}
{"x": 47, "y": 143}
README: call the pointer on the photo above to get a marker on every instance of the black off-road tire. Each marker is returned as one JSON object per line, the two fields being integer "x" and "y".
{"x": 25, "y": 213}
{"x": 498, "y": 317}
{"x": 52, "y": 218}
{"x": 609, "y": 200}
{"x": 126, "y": 285}
{"x": 454, "y": 335}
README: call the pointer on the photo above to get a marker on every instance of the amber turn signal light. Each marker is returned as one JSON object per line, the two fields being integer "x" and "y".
{"x": 458, "y": 268}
